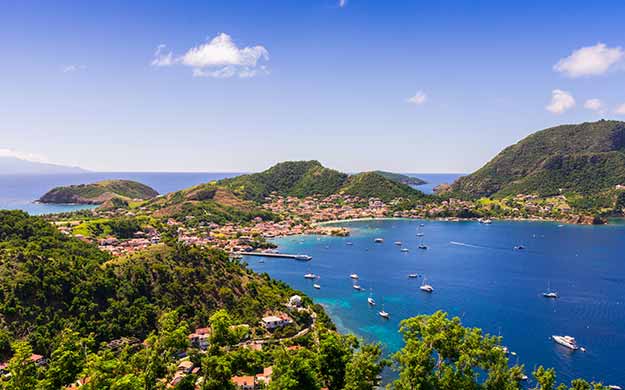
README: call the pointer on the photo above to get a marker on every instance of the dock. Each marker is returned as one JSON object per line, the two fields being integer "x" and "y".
{"x": 275, "y": 255}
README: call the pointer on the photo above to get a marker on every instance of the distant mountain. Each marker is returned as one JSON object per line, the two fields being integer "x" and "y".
{"x": 306, "y": 178}
{"x": 404, "y": 179}
{"x": 12, "y": 165}
{"x": 100, "y": 192}
{"x": 586, "y": 159}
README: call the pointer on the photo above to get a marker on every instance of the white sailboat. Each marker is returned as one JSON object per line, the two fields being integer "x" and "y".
{"x": 370, "y": 300}
{"x": 425, "y": 287}
{"x": 354, "y": 276}
{"x": 383, "y": 313}
{"x": 549, "y": 293}
{"x": 317, "y": 285}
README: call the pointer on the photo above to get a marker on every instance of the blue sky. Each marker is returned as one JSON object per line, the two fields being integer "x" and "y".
{"x": 307, "y": 79}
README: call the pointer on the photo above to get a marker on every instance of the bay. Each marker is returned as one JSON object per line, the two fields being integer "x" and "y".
{"x": 478, "y": 276}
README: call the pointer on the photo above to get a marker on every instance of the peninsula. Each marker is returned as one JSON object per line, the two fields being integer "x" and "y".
{"x": 100, "y": 192}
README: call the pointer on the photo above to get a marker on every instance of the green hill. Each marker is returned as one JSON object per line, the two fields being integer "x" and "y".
{"x": 295, "y": 178}
{"x": 375, "y": 185}
{"x": 404, "y": 179}
{"x": 586, "y": 159}
{"x": 305, "y": 178}
{"x": 100, "y": 192}
{"x": 49, "y": 281}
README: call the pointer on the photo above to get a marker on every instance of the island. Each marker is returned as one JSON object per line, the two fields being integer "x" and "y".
{"x": 100, "y": 192}
{"x": 401, "y": 178}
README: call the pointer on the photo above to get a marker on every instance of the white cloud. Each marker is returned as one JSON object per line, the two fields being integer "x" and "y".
{"x": 595, "y": 105}
{"x": 220, "y": 57}
{"x": 73, "y": 68}
{"x": 590, "y": 61}
{"x": 560, "y": 101}
{"x": 620, "y": 110}
{"x": 419, "y": 98}
{"x": 6, "y": 152}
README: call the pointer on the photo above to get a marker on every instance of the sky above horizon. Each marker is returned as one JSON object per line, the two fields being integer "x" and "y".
{"x": 406, "y": 86}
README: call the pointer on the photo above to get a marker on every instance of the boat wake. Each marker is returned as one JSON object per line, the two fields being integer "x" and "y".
{"x": 467, "y": 245}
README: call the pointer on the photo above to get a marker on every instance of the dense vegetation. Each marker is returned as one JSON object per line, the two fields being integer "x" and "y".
{"x": 100, "y": 192}
{"x": 586, "y": 159}
{"x": 372, "y": 184}
{"x": 49, "y": 281}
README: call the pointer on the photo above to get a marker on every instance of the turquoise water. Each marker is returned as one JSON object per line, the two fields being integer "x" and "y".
{"x": 478, "y": 276}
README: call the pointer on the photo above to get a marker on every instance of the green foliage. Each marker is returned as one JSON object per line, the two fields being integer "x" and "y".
{"x": 586, "y": 159}
{"x": 363, "y": 369}
{"x": 399, "y": 178}
{"x": 22, "y": 368}
{"x": 294, "y": 371}
{"x": 335, "y": 351}
{"x": 374, "y": 185}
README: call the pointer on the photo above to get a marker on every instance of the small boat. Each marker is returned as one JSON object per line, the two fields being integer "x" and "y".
{"x": 422, "y": 246}
{"x": 317, "y": 286}
{"x": 425, "y": 287}
{"x": 370, "y": 299}
{"x": 398, "y": 243}
{"x": 357, "y": 287}
{"x": 378, "y": 240}
{"x": 566, "y": 341}
{"x": 615, "y": 387}
{"x": 261, "y": 261}
{"x": 549, "y": 293}
{"x": 384, "y": 314}
{"x": 302, "y": 257}
{"x": 486, "y": 221}
{"x": 519, "y": 247}
{"x": 405, "y": 250}
{"x": 413, "y": 276}
{"x": 349, "y": 243}
{"x": 419, "y": 234}
{"x": 310, "y": 275}
{"x": 354, "y": 276}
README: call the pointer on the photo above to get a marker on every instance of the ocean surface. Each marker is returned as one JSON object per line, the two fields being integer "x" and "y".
{"x": 478, "y": 276}
{"x": 20, "y": 191}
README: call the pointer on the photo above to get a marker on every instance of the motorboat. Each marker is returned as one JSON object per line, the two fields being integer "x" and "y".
{"x": 354, "y": 276}
{"x": 413, "y": 276}
{"x": 310, "y": 275}
{"x": 378, "y": 240}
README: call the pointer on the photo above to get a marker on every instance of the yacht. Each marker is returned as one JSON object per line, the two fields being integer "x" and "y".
{"x": 413, "y": 276}
{"x": 405, "y": 250}
{"x": 398, "y": 243}
{"x": 426, "y": 287}
{"x": 549, "y": 293}
{"x": 378, "y": 240}
{"x": 383, "y": 313}
{"x": 310, "y": 275}
{"x": 370, "y": 299}
{"x": 317, "y": 286}
{"x": 567, "y": 341}
{"x": 302, "y": 257}
{"x": 354, "y": 276}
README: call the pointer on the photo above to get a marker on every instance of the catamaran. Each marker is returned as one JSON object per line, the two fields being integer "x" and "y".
{"x": 567, "y": 341}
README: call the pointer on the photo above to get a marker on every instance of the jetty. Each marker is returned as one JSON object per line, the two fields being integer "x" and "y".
{"x": 275, "y": 255}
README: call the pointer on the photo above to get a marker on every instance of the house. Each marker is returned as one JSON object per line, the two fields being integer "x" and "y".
{"x": 38, "y": 359}
{"x": 200, "y": 338}
{"x": 185, "y": 366}
{"x": 244, "y": 382}
{"x": 273, "y": 322}
{"x": 265, "y": 376}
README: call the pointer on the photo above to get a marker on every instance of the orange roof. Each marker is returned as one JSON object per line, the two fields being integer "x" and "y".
{"x": 243, "y": 380}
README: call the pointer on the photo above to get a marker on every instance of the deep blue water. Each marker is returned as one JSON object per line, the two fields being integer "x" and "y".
{"x": 478, "y": 276}
{"x": 434, "y": 179}
{"x": 19, "y": 191}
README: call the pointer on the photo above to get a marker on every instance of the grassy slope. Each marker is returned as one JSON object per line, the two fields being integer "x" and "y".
{"x": 586, "y": 158}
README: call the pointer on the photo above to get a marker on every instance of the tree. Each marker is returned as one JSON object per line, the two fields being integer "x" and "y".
{"x": 220, "y": 328}
{"x": 22, "y": 368}
{"x": 335, "y": 352}
{"x": 363, "y": 369}
{"x": 217, "y": 373}
{"x": 66, "y": 361}
{"x": 296, "y": 371}
{"x": 439, "y": 353}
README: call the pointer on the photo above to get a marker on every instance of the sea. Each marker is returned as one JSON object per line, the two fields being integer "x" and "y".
{"x": 478, "y": 276}
{"x": 21, "y": 191}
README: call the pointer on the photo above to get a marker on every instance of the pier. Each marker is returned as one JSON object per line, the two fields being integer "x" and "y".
{"x": 275, "y": 255}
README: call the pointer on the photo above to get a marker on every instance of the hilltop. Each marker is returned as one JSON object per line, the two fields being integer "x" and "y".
{"x": 584, "y": 159}
{"x": 308, "y": 178}
{"x": 100, "y": 192}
